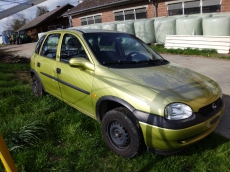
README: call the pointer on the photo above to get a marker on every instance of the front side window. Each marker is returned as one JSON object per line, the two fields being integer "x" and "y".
{"x": 71, "y": 47}
{"x": 121, "y": 50}
{"x": 50, "y": 46}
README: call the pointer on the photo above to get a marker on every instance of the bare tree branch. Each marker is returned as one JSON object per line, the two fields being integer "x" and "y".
{"x": 41, "y": 10}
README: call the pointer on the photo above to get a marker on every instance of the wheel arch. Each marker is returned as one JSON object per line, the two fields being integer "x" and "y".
{"x": 107, "y": 103}
{"x": 32, "y": 73}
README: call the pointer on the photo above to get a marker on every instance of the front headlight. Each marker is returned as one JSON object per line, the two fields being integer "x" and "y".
{"x": 177, "y": 111}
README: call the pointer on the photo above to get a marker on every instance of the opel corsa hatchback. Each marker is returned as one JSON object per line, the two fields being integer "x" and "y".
{"x": 122, "y": 83}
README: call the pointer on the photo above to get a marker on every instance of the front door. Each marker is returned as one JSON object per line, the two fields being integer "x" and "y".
{"x": 75, "y": 83}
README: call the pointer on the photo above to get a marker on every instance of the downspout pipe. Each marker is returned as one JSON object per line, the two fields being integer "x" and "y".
{"x": 155, "y": 7}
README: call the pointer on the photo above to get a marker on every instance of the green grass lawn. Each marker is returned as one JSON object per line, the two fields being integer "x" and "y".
{"x": 45, "y": 134}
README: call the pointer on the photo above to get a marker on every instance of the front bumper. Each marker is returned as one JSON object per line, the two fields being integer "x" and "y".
{"x": 163, "y": 139}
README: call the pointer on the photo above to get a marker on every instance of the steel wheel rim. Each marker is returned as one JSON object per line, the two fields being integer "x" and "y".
{"x": 35, "y": 86}
{"x": 118, "y": 135}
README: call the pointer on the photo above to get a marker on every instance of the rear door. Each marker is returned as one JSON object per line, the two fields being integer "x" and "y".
{"x": 46, "y": 64}
{"x": 75, "y": 83}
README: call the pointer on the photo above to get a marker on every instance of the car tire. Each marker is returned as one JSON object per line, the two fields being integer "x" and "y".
{"x": 37, "y": 86}
{"x": 122, "y": 132}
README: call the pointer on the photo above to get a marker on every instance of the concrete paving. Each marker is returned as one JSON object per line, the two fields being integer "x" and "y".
{"x": 216, "y": 69}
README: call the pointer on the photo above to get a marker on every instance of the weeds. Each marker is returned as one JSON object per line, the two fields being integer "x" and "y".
{"x": 28, "y": 135}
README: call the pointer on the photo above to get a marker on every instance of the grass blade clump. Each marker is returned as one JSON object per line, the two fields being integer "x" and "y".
{"x": 28, "y": 135}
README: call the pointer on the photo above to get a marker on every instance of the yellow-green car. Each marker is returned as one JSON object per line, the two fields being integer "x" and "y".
{"x": 118, "y": 80}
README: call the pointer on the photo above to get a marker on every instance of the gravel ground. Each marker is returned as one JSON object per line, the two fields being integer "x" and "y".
{"x": 215, "y": 68}
{"x": 23, "y": 50}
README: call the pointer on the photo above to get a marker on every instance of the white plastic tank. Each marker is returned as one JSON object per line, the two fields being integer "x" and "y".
{"x": 41, "y": 34}
{"x": 109, "y": 26}
{"x": 216, "y": 26}
{"x": 96, "y": 26}
{"x": 221, "y": 14}
{"x": 163, "y": 27}
{"x": 204, "y": 15}
{"x": 144, "y": 29}
{"x": 126, "y": 26}
{"x": 86, "y": 27}
{"x": 191, "y": 25}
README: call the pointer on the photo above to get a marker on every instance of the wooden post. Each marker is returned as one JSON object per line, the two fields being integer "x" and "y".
{"x": 5, "y": 157}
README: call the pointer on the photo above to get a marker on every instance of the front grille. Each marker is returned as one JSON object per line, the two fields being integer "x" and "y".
{"x": 207, "y": 110}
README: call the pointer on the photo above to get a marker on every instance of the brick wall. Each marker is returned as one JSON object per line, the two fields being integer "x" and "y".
{"x": 108, "y": 14}
{"x": 225, "y": 5}
{"x": 162, "y": 9}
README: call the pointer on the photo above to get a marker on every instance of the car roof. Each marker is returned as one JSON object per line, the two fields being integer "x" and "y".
{"x": 86, "y": 30}
{"x": 93, "y": 30}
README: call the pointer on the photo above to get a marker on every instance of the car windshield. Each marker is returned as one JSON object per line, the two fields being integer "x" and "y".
{"x": 122, "y": 50}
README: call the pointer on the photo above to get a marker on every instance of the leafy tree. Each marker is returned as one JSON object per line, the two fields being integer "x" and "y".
{"x": 41, "y": 10}
{"x": 16, "y": 22}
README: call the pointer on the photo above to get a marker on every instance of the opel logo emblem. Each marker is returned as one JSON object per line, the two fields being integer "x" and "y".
{"x": 214, "y": 106}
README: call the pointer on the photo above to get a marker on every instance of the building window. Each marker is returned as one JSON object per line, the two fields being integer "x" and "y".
{"x": 119, "y": 16}
{"x": 91, "y": 20}
{"x": 97, "y": 19}
{"x": 130, "y": 14}
{"x": 174, "y": 9}
{"x": 84, "y": 21}
{"x": 141, "y": 13}
{"x": 193, "y": 7}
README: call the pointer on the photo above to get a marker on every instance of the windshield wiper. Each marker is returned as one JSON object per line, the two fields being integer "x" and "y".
{"x": 155, "y": 61}
{"x": 120, "y": 62}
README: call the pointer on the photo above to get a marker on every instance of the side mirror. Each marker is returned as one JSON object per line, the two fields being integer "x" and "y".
{"x": 81, "y": 62}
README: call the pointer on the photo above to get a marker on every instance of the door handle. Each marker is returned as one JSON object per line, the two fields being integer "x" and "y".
{"x": 38, "y": 64}
{"x": 58, "y": 70}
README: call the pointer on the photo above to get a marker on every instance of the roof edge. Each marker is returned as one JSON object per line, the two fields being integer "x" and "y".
{"x": 94, "y": 8}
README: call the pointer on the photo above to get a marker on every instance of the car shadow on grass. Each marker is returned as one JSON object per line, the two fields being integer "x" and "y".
{"x": 224, "y": 128}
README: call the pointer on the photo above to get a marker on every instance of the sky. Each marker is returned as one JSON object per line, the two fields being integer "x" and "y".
{"x": 31, "y": 12}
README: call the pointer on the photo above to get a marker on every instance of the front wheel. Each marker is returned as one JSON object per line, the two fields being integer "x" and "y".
{"x": 121, "y": 132}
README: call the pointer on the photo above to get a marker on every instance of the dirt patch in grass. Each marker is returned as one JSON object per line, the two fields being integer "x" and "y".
{"x": 9, "y": 57}
{"x": 12, "y": 59}
{"x": 24, "y": 76}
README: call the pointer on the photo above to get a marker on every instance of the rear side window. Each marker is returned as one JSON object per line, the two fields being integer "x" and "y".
{"x": 38, "y": 46}
{"x": 50, "y": 46}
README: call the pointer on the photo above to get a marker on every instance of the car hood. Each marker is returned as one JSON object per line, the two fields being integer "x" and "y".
{"x": 176, "y": 83}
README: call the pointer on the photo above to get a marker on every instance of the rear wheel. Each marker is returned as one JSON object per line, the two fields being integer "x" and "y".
{"x": 121, "y": 132}
{"x": 37, "y": 86}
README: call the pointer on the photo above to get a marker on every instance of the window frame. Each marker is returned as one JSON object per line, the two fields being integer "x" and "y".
{"x": 96, "y": 18}
{"x": 192, "y": 6}
{"x": 81, "y": 49}
{"x": 39, "y": 44}
{"x": 44, "y": 44}
{"x": 121, "y": 15}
